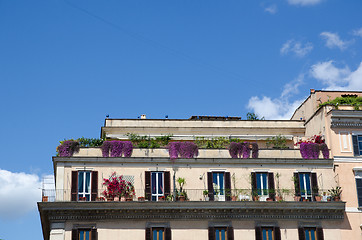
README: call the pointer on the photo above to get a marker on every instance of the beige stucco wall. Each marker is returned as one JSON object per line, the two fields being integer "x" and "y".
{"x": 195, "y": 229}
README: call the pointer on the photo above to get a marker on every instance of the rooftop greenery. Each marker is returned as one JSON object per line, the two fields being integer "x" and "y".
{"x": 348, "y": 100}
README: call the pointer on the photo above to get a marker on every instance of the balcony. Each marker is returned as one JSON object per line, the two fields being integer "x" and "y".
{"x": 195, "y": 195}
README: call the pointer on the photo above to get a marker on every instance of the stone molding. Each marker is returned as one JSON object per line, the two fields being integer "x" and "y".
{"x": 92, "y": 211}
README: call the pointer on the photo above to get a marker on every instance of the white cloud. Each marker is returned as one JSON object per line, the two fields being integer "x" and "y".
{"x": 272, "y": 9}
{"x": 337, "y": 78}
{"x": 19, "y": 193}
{"x": 296, "y": 47}
{"x": 304, "y": 2}
{"x": 278, "y": 108}
{"x": 333, "y": 40}
{"x": 357, "y": 32}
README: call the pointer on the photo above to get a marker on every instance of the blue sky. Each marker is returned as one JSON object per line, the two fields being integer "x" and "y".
{"x": 65, "y": 64}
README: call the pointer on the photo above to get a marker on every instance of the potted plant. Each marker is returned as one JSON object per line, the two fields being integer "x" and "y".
{"x": 335, "y": 193}
{"x": 141, "y": 199}
{"x": 206, "y": 195}
{"x": 255, "y": 195}
{"x": 117, "y": 187}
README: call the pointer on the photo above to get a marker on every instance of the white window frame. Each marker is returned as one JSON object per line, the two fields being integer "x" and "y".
{"x": 84, "y": 193}
{"x": 157, "y": 195}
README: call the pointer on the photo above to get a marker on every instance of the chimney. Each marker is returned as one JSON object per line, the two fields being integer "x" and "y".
{"x": 143, "y": 116}
{"x": 312, "y": 91}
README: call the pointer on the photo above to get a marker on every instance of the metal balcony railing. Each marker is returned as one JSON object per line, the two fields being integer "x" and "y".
{"x": 65, "y": 195}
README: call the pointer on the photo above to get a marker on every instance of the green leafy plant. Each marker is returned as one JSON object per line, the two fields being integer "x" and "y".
{"x": 344, "y": 100}
{"x": 277, "y": 142}
{"x": 147, "y": 141}
{"x": 252, "y": 116}
{"x": 335, "y": 192}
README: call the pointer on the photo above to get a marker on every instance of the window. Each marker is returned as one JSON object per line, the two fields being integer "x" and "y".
{"x": 157, "y": 184}
{"x": 84, "y": 185}
{"x": 358, "y": 176}
{"x": 306, "y": 185}
{"x": 221, "y": 233}
{"x": 158, "y": 233}
{"x": 263, "y": 185}
{"x": 267, "y": 233}
{"x": 219, "y": 186}
{"x": 357, "y": 144}
{"x": 310, "y": 233}
{"x": 84, "y": 234}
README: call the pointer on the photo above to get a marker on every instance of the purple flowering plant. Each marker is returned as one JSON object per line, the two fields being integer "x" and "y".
{"x": 310, "y": 148}
{"x": 67, "y": 148}
{"x": 182, "y": 149}
{"x": 242, "y": 150}
{"x": 116, "y": 148}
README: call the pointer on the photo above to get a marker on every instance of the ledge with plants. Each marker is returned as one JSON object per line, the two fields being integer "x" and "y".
{"x": 162, "y": 147}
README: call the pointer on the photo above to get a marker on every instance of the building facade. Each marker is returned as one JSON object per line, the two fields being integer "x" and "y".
{"x": 266, "y": 193}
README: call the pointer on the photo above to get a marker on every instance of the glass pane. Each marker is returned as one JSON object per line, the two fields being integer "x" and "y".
{"x": 221, "y": 183}
{"x": 160, "y": 183}
{"x": 80, "y": 181}
{"x": 160, "y": 234}
{"x": 223, "y": 234}
{"x": 264, "y": 234}
{"x": 86, "y": 235}
{"x": 87, "y": 182}
{"x": 214, "y": 181}
{"x": 154, "y": 235}
{"x": 153, "y": 183}
{"x": 258, "y": 183}
{"x": 270, "y": 234}
{"x": 217, "y": 234}
{"x": 81, "y": 235}
{"x": 359, "y": 191}
{"x": 307, "y": 180}
{"x": 265, "y": 184}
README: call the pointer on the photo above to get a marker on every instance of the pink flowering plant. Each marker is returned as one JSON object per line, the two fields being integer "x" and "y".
{"x": 117, "y": 187}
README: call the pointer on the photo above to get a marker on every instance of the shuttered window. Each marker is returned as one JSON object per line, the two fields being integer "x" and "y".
{"x": 158, "y": 233}
{"x": 219, "y": 186}
{"x": 310, "y": 233}
{"x": 221, "y": 233}
{"x": 306, "y": 186}
{"x": 84, "y": 234}
{"x": 84, "y": 186}
{"x": 157, "y": 184}
{"x": 357, "y": 144}
{"x": 263, "y": 185}
{"x": 267, "y": 233}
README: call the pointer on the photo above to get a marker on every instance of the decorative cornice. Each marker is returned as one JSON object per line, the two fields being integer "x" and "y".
{"x": 346, "y": 124}
{"x": 92, "y": 211}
